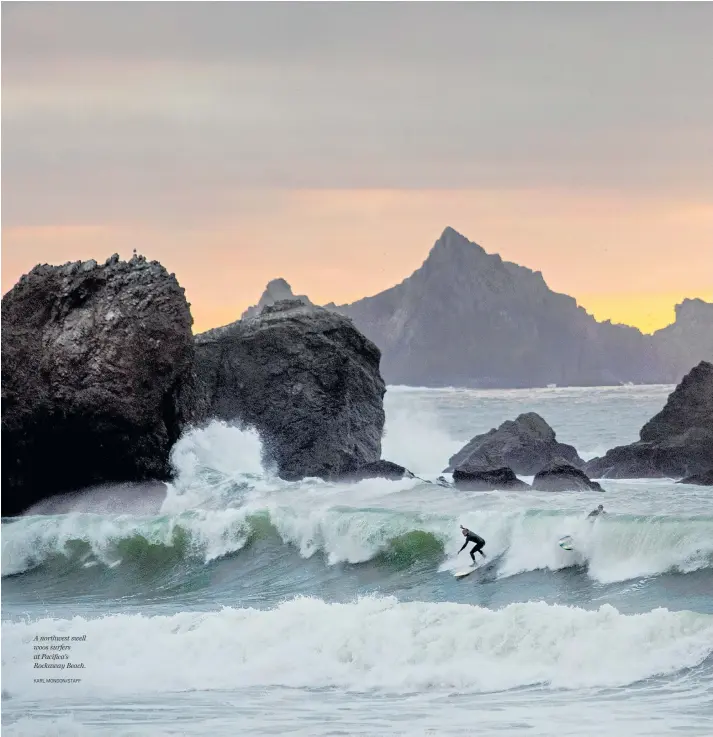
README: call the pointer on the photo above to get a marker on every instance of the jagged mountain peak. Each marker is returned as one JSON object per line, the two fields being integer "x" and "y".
{"x": 451, "y": 243}
{"x": 456, "y": 250}
{"x": 466, "y": 317}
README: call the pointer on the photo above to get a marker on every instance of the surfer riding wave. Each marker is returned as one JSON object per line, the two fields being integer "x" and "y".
{"x": 471, "y": 537}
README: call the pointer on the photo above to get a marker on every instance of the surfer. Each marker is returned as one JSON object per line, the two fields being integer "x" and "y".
{"x": 471, "y": 537}
{"x": 596, "y": 512}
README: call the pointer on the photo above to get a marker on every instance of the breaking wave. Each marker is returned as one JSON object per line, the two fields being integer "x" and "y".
{"x": 616, "y": 548}
{"x": 371, "y": 643}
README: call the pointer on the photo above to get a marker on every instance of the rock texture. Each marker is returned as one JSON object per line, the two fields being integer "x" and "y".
{"x": 563, "y": 477}
{"x": 377, "y": 470}
{"x": 526, "y": 445}
{"x": 306, "y": 379}
{"x": 97, "y": 377}
{"x": 276, "y": 290}
{"x": 677, "y": 442}
{"x": 701, "y": 479}
{"x": 502, "y": 479}
{"x": 468, "y": 318}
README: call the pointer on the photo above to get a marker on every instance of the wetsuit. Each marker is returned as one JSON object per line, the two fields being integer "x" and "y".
{"x": 471, "y": 537}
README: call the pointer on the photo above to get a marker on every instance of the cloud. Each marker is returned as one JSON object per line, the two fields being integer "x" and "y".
{"x": 161, "y": 112}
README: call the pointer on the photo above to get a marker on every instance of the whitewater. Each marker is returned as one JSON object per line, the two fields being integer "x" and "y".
{"x": 243, "y": 604}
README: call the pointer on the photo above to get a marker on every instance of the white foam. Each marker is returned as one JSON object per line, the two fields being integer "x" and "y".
{"x": 371, "y": 643}
{"x": 417, "y": 440}
{"x": 211, "y": 464}
{"x": 219, "y": 447}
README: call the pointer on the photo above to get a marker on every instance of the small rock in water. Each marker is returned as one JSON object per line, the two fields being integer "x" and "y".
{"x": 700, "y": 479}
{"x": 487, "y": 480}
{"x": 526, "y": 445}
{"x": 563, "y": 477}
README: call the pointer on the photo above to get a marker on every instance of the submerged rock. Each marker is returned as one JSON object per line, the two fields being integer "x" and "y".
{"x": 563, "y": 477}
{"x": 676, "y": 442}
{"x": 503, "y": 479}
{"x": 306, "y": 379}
{"x": 527, "y": 445}
{"x": 377, "y": 470}
{"x": 97, "y": 380}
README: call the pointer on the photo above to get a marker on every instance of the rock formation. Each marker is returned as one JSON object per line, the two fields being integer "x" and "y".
{"x": 677, "y": 442}
{"x": 306, "y": 379}
{"x": 563, "y": 477}
{"x": 468, "y": 318}
{"x": 376, "y": 470}
{"x": 97, "y": 377}
{"x": 527, "y": 445}
{"x": 700, "y": 479}
{"x": 501, "y": 479}
{"x": 275, "y": 291}
{"x": 688, "y": 340}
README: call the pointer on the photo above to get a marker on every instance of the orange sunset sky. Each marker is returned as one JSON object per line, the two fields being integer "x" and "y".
{"x": 331, "y": 144}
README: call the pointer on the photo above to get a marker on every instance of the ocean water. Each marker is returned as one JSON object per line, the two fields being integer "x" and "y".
{"x": 244, "y": 605}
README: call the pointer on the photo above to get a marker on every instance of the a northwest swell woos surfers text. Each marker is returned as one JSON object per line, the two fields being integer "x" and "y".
{"x": 53, "y": 656}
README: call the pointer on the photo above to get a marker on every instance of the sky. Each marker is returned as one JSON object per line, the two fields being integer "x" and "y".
{"x": 331, "y": 144}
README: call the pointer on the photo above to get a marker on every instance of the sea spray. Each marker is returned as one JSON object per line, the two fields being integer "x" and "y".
{"x": 213, "y": 466}
{"x": 416, "y": 439}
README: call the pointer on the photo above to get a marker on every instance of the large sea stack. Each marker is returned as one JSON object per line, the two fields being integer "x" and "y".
{"x": 677, "y": 442}
{"x": 306, "y": 379}
{"x": 97, "y": 377}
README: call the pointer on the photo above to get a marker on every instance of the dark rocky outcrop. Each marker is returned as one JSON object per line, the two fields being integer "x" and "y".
{"x": 97, "y": 377}
{"x": 501, "y": 479}
{"x": 563, "y": 477}
{"x": 306, "y": 379}
{"x": 468, "y": 318}
{"x": 526, "y": 445}
{"x": 376, "y": 470}
{"x": 689, "y": 406}
{"x": 677, "y": 442}
{"x": 700, "y": 479}
{"x": 276, "y": 290}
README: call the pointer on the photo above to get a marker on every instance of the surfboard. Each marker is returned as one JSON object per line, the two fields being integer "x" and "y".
{"x": 566, "y": 542}
{"x": 466, "y": 572}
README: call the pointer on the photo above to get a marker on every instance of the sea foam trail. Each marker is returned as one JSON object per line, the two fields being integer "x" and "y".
{"x": 371, "y": 643}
